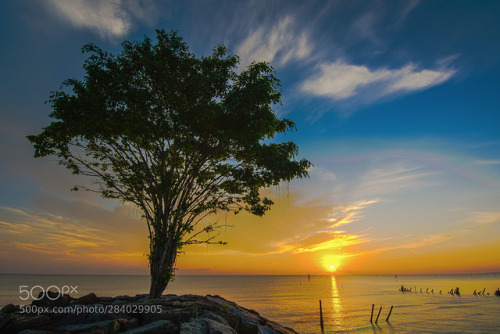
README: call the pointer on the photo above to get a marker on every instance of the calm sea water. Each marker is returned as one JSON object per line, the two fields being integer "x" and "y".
{"x": 293, "y": 301}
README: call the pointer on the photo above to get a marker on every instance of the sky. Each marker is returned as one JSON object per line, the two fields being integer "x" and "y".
{"x": 396, "y": 105}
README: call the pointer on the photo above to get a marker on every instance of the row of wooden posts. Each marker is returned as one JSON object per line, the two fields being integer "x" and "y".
{"x": 371, "y": 317}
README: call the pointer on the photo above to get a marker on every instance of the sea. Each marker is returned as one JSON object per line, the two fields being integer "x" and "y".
{"x": 294, "y": 301}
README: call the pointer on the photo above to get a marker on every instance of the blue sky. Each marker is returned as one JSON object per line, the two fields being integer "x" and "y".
{"x": 396, "y": 104}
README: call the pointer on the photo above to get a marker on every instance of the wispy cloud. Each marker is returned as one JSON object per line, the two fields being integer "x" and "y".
{"x": 341, "y": 80}
{"x": 110, "y": 19}
{"x": 325, "y": 241}
{"x": 44, "y": 233}
{"x": 391, "y": 179}
{"x": 325, "y": 233}
{"x": 487, "y": 162}
{"x": 474, "y": 221}
{"x": 280, "y": 44}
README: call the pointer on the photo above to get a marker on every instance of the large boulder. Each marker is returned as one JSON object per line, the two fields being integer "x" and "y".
{"x": 89, "y": 299}
{"x": 52, "y": 299}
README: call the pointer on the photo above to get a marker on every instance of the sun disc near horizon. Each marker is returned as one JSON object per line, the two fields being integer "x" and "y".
{"x": 332, "y": 267}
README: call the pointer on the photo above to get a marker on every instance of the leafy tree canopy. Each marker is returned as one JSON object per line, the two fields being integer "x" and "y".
{"x": 179, "y": 136}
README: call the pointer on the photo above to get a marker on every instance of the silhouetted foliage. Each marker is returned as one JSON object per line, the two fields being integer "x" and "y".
{"x": 179, "y": 136}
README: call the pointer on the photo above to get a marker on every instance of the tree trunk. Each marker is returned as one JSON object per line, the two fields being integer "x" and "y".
{"x": 162, "y": 266}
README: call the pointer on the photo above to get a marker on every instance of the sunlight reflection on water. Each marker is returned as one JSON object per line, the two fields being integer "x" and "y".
{"x": 293, "y": 300}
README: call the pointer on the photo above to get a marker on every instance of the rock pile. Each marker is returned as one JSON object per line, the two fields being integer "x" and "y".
{"x": 169, "y": 314}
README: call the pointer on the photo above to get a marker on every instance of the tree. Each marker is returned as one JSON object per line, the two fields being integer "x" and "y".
{"x": 181, "y": 137}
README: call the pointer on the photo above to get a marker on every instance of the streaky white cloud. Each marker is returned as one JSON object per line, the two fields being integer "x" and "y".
{"x": 340, "y": 81}
{"x": 109, "y": 19}
{"x": 408, "y": 7}
{"x": 281, "y": 43}
{"x": 487, "y": 162}
{"x": 392, "y": 179}
{"x": 408, "y": 78}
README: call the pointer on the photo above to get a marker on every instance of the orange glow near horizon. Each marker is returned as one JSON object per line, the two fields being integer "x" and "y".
{"x": 291, "y": 239}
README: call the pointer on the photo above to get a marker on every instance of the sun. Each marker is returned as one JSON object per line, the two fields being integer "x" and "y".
{"x": 331, "y": 263}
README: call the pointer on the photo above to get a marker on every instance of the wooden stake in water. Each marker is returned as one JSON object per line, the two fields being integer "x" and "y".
{"x": 371, "y": 317}
{"x": 390, "y": 311}
{"x": 378, "y": 314}
{"x": 321, "y": 316}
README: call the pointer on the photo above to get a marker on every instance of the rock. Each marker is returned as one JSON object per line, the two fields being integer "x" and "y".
{"x": 52, "y": 299}
{"x": 266, "y": 330}
{"x": 17, "y": 323}
{"x": 6, "y": 322}
{"x": 205, "y": 326}
{"x": 248, "y": 328}
{"x": 212, "y": 316}
{"x": 195, "y": 326}
{"x": 176, "y": 316}
{"x": 232, "y": 320}
{"x": 128, "y": 324}
{"x": 215, "y": 327}
{"x": 118, "y": 302}
{"x": 34, "y": 331}
{"x": 10, "y": 308}
{"x": 105, "y": 300}
{"x": 104, "y": 327}
{"x": 160, "y": 326}
{"x": 141, "y": 298}
{"x": 36, "y": 322}
{"x": 89, "y": 299}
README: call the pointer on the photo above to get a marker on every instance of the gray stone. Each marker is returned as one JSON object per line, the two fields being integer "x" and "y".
{"x": 105, "y": 327}
{"x": 266, "y": 330}
{"x": 248, "y": 328}
{"x": 218, "y": 318}
{"x": 34, "y": 322}
{"x": 10, "y": 308}
{"x": 128, "y": 324}
{"x": 16, "y": 323}
{"x": 205, "y": 326}
{"x": 176, "y": 316}
{"x": 160, "y": 326}
{"x": 6, "y": 321}
{"x": 106, "y": 300}
{"x": 117, "y": 302}
{"x": 215, "y": 327}
{"x": 89, "y": 299}
{"x": 52, "y": 299}
{"x": 246, "y": 316}
{"x": 195, "y": 326}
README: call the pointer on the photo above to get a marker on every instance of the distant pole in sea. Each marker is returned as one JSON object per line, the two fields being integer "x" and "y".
{"x": 371, "y": 317}
{"x": 321, "y": 317}
{"x": 378, "y": 314}
{"x": 390, "y": 311}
